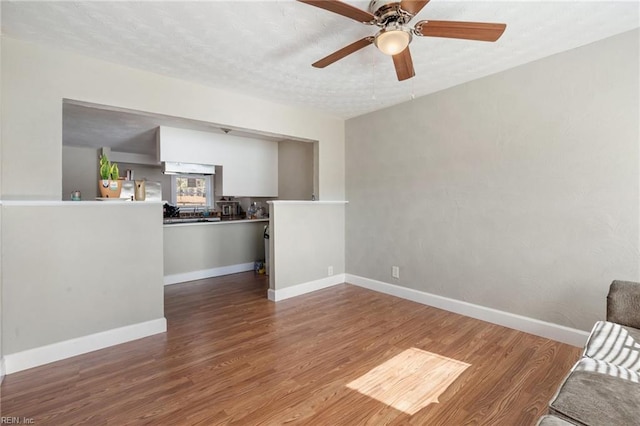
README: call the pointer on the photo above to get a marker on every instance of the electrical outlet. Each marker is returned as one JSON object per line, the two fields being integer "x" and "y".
{"x": 330, "y": 270}
{"x": 395, "y": 272}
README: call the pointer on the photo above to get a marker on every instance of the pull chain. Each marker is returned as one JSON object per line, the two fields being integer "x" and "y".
{"x": 413, "y": 92}
{"x": 373, "y": 74}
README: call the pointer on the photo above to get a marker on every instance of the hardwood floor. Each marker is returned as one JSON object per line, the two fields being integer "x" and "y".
{"x": 232, "y": 357}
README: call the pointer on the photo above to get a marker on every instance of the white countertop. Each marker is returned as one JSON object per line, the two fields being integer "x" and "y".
{"x": 118, "y": 202}
{"x": 222, "y": 222}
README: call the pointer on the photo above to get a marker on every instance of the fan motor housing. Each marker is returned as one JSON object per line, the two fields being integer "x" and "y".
{"x": 387, "y": 11}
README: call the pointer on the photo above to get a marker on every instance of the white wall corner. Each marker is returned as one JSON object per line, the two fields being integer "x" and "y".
{"x": 304, "y": 288}
{"x": 548, "y": 330}
{"x": 271, "y": 295}
{"x": 66, "y": 349}
{"x": 208, "y": 273}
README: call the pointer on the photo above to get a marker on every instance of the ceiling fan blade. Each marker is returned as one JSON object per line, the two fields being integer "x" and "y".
{"x": 404, "y": 65}
{"x": 413, "y": 6}
{"x": 481, "y": 31}
{"x": 343, "y": 9}
{"x": 339, "y": 54}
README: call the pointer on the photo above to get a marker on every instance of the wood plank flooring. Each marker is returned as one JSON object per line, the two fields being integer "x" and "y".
{"x": 232, "y": 357}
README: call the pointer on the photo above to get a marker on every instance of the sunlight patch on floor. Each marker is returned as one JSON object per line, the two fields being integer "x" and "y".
{"x": 410, "y": 380}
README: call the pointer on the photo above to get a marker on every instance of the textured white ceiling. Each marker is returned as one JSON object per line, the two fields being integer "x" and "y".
{"x": 265, "y": 48}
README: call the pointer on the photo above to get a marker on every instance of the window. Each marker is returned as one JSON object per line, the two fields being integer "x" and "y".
{"x": 192, "y": 190}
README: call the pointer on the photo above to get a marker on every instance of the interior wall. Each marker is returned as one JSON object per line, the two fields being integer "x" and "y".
{"x": 35, "y": 80}
{"x": 2, "y": 370}
{"x": 195, "y": 248}
{"x": 80, "y": 172}
{"x": 518, "y": 191}
{"x": 88, "y": 267}
{"x": 306, "y": 238}
{"x": 295, "y": 170}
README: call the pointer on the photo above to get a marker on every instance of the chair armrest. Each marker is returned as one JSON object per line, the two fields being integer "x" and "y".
{"x": 623, "y": 303}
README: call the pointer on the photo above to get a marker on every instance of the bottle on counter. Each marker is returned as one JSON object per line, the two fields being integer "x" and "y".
{"x": 252, "y": 210}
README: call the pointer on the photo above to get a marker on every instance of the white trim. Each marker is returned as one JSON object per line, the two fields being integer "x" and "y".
{"x": 549, "y": 330}
{"x": 308, "y": 287}
{"x": 208, "y": 273}
{"x": 2, "y": 369}
{"x": 84, "y": 203}
{"x": 81, "y": 345}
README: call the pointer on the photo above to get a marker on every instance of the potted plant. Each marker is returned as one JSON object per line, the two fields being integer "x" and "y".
{"x": 109, "y": 183}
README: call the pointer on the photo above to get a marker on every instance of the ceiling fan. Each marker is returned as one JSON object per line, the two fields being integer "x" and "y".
{"x": 394, "y": 35}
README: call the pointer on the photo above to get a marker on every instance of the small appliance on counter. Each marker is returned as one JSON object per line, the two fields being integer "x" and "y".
{"x": 141, "y": 190}
{"x": 229, "y": 209}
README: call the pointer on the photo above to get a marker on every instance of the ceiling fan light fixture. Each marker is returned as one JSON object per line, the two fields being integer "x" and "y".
{"x": 393, "y": 39}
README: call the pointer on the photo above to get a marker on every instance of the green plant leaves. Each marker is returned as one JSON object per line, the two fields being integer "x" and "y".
{"x": 108, "y": 170}
{"x": 114, "y": 172}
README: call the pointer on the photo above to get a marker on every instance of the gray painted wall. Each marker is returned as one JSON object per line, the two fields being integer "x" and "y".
{"x": 78, "y": 268}
{"x": 1, "y": 352}
{"x": 191, "y": 248}
{"x": 1, "y": 313}
{"x": 306, "y": 238}
{"x": 295, "y": 170}
{"x": 80, "y": 172}
{"x": 517, "y": 192}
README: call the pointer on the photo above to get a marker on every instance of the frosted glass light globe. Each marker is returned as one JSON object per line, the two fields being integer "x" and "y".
{"x": 392, "y": 42}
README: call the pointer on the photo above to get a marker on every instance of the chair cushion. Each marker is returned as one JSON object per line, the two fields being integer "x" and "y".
{"x": 615, "y": 344}
{"x": 623, "y": 303}
{"x": 598, "y": 393}
{"x": 552, "y": 421}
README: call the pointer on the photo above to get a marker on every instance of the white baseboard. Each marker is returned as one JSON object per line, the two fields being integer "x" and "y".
{"x": 66, "y": 349}
{"x": 549, "y": 330}
{"x": 308, "y": 287}
{"x": 207, "y": 273}
{"x": 1, "y": 369}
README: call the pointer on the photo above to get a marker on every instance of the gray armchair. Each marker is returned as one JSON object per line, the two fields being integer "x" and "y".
{"x": 603, "y": 387}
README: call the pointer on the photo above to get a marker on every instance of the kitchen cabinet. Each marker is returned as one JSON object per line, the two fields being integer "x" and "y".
{"x": 249, "y": 166}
